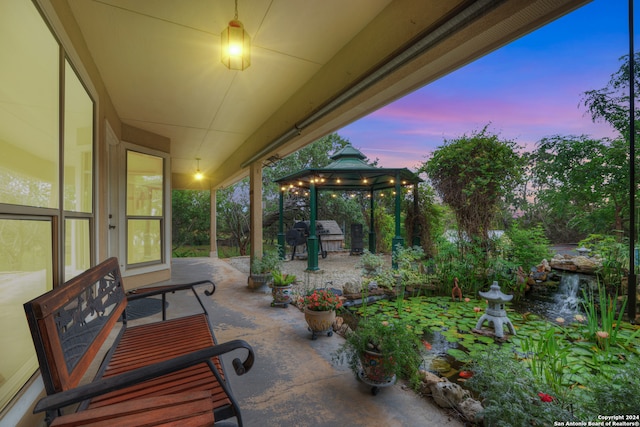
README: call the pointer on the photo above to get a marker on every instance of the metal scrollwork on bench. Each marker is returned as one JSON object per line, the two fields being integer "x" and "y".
{"x": 80, "y": 321}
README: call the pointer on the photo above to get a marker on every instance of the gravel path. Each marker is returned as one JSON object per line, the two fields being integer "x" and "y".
{"x": 337, "y": 269}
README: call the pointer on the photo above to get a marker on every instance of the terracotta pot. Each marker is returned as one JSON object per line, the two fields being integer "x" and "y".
{"x": 319, "y": 321}
{"x": 373, "y": 368}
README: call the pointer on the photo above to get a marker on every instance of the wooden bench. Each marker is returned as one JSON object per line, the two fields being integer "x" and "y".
{"x": 163, "y": 372}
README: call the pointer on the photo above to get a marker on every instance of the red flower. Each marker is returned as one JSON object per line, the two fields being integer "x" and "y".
{"x": 322, "y": 300}
{"x": 545, "y": 397}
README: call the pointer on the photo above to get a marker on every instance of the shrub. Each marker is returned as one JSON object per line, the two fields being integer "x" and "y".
{"x": 616, "y": 393}
{"x": 511, "y": 395}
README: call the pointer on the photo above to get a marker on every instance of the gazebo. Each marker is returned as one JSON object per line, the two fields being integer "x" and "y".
{"x": 347, "y": 172}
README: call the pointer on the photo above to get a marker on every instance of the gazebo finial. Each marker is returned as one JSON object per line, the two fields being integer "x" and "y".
{"x": 348, "y": 151}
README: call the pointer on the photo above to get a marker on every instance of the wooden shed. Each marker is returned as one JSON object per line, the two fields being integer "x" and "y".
{"x": 333, "y": 241}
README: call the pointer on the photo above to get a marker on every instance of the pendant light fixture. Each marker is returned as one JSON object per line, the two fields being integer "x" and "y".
{"x": 198, "y": 175}
{"x": 235, "y": 45}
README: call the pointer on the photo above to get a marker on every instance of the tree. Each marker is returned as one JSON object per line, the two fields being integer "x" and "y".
{"x": 233, "y": 214}
{"x": 583, "y": 182}
{"x": 190, "y": 217}
{"x": 424, "y": 218}
{"x": 611, "y": 103}
{"x": 472, "y": 174}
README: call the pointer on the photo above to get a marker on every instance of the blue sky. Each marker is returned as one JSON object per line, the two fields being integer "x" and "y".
{"x": 525, "y": 91}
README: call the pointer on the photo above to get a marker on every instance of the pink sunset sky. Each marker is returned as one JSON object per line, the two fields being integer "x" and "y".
{"x": 525, "y": 91}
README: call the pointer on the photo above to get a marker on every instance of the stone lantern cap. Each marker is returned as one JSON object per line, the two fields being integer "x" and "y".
{"x": 583, "y": 251}
{"x": 495, "y": 294}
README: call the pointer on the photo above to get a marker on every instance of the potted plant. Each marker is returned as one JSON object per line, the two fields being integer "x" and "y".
{"x": 281, "y": 288}
{"x": 261, "y": 269}
{"x": 378, "y": 351}
{"x": 319, "y": 308}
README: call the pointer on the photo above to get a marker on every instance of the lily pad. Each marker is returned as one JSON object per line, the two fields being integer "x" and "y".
{"x": 459, "y": 355}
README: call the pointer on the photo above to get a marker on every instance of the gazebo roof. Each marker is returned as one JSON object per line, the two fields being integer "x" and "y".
{"x": 349, "y": 171}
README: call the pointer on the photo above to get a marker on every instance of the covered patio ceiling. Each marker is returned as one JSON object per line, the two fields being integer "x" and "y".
{"x": 316, "y": 66}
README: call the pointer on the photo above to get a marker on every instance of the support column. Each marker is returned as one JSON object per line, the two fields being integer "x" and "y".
{"x": 213, "y": 226}
{"x": 255, "y": 210}
{"x": 372, "y": 224}
{"x": 397, "y": 240}
{"x": 632, "y": 281}
{"x": 281, "y": 235}
{"x": 417, "y": 229}
{"x": 312, "y": 240}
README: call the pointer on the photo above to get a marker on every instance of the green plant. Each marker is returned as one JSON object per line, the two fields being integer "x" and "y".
{"x": 269, "y": 262}
{"x": 385, "y": 279}
{"x": 393, "y": 338}
{"x": 614, "y": 254}
{"x": 525, "y": 247}
{"x": 409, "y": 261}
{"x": 612, "y": 394}
{"x": 321, "y": 300}
{"x": 371, "y": 262}
{"x": 602, "y": 324}
{"x": 547, "y": 358}
{"x": 282, "y": 279}
{"x": 511, "y": 394}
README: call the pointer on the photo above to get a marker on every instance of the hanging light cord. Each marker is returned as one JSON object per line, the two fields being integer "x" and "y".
{"x": 236, "y": 17}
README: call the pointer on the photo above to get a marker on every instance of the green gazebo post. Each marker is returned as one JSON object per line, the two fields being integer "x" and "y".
{"x": 312, "y": 240}
{"x": 372, "y": 230}
{"x": 281, "y": 236}
{"x": 397, "y": 240}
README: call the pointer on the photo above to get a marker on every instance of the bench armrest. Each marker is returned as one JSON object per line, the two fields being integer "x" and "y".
{"x": 106, "y": 385}
{"x": 164, "y": 290}
{"x": 142, "y": 293}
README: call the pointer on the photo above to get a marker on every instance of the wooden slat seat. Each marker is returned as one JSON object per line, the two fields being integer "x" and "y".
{"x": 148, "y": 344}
{"x": 189, "y": 409}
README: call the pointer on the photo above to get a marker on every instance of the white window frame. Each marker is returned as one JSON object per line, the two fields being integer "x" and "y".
{"x": 165, "y": 263}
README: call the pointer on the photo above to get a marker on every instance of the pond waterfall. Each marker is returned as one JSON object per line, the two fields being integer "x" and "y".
{"x": 563, "y": 301}
{"x": 568, "y": 297}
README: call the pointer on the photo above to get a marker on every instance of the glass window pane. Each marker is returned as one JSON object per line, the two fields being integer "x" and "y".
{"x": 25, "y": 272}
{"x": 78, "y": 144}
{"x": 144, "y": 240}
{"x": 77, "y": 247}
{"x": 29, "y": 98}
{"x": 144, "y": 184}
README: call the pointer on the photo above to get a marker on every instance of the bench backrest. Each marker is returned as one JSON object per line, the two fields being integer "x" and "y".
{"x": 70, "y": 323}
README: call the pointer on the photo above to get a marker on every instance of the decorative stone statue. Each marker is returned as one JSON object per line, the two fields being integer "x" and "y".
{"x": 456, "y": 292}
{"x": 496, "y": 315}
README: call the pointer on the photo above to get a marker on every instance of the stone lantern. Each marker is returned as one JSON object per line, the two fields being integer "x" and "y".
{"x": 583, "y": 251}
{"x": 496, "y": 315}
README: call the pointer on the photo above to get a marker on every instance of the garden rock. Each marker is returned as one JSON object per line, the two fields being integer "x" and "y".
{"x": 447, "y": 394}
{"x": 352, "y": 288}
{"x": 428, "y": 379}
{"x": 471, "y": 409}
{"x": 580, "y": 264}
{"x": 585, "y": 264}
{"x": 341, "y": 327}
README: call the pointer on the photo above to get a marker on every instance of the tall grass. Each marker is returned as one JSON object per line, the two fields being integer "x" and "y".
{"x": 602, "y": 323}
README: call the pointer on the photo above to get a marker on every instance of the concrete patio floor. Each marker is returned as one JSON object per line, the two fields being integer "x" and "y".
{"x": 293, "y": 381}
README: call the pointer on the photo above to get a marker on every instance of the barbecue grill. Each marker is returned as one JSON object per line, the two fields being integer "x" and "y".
{"x": 298, "y": 235}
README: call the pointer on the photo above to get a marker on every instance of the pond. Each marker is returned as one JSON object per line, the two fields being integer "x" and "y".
{"x": 448, "y": 329}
